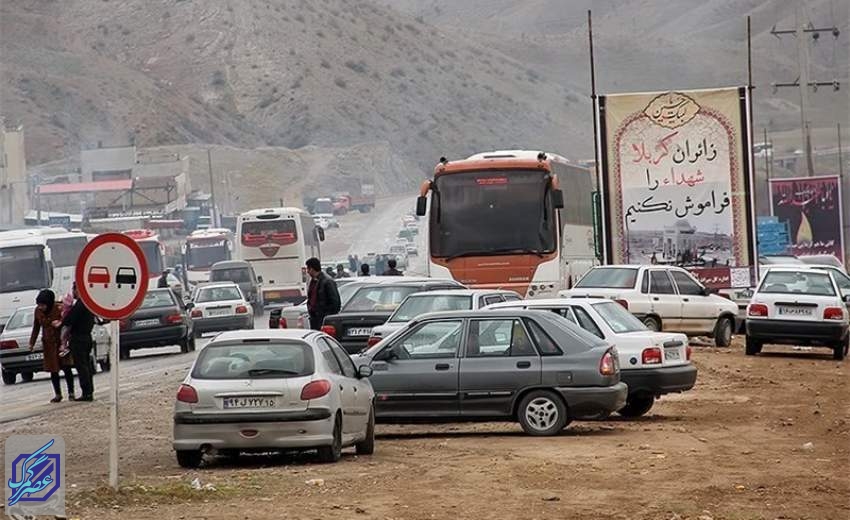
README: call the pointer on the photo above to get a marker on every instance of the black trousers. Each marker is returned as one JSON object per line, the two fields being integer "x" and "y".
{"x": 69, "y": 380}
{"x": 81, "y": 350}
{"x": 316, "y": 321}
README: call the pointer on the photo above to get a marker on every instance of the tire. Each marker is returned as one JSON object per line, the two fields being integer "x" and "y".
{"x": 652, "y": 323}
{"x": 723, "y": 331}
{"x": 542, "y": 413}
{"x": 333, "y": 453}
{"x": 26, "y": 377}
{"x": 124, "y": 354}
{"x": 637, "y": 405}
{"x": 9, "y": 377}
{"x": 839, "y": 352}
{"x": 367, "y": 445}
{"x": 196, "y": 333}
{"x": 753, "y": 347}
{"x": 189, "y": 459}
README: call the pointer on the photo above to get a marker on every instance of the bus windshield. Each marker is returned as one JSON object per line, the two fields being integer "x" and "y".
{"x": 152, "y": 257}
{"x": 492, "y": 212}
{"x": 22, "y": 268}
{"x": 203, "y": 254}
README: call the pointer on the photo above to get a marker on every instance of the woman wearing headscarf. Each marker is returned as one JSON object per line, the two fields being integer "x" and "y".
{"x": 47, "y": 313}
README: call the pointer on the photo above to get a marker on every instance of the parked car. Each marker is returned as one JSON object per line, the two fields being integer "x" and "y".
{"x": 510, "y": 365}
{"x": 220, "y": 306}
{"x": 418, "y": 304}
{"x": 371, "y": 305}
{"x": 795, "y": 306}
{"x": 160, "y": 321}
{"x": 652, "y": 363}
{"x": 664, "y": 298}
{"x": 271, "y": 390}
{"x": 16, "y": 358}
{"x": 296, "y": 316}
{"x": 242, "y": 274}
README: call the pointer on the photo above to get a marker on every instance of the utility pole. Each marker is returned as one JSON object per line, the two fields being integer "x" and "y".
{"x": 803, "y": 82}
{"x": 214, "y": 210}
{"x": 840, "y": 156}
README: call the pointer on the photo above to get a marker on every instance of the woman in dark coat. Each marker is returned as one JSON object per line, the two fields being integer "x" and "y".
{"x": 47, "y": 313}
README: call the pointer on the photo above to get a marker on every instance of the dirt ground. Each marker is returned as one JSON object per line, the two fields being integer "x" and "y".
{"x": 736, "y": 447}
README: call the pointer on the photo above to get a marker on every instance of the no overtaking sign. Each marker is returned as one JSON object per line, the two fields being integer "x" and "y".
{"x": 112, "y": 276}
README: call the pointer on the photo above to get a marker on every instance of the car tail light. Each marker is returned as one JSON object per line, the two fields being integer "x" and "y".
{"x": 757, "y": 309}
{"x": 833, "y": 313}
{"x": 373, "y": 340}
{"x": 196, "y": 313}
{"x": 281, "y": 323}
{"x": 688, "y": 352}
{"x": 241, "y": 309}
{"x": 651, "y": 356}
{"x": 187, "y": 394}
{"x": 7, "y": 344}
{"x": 173, "y": 319}
{"x": 608, "y": 363}
{"x": 330, "y": 330}
{"x": 315, "y": 389}
{"x": 624, "y": 303}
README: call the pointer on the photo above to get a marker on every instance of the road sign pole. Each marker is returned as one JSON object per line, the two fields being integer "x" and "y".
{"x": 114, "y": 356}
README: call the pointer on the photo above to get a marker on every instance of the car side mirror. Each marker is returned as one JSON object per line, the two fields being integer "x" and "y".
{"x": 388, "y": 354}
{"x": 421, "y": 206}
{"x": 364, "y": 371}
{"x": 189, "y": 306}
{"x": 558, "y": 199}
{"x": 320, "y": 232}
{"x": 846, "y": 300}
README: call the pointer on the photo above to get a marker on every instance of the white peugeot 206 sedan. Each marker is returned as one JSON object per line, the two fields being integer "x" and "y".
{"x": 271, "y": 390}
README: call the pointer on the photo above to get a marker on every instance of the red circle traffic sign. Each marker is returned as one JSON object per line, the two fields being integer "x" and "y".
{"x": 112, "y": 276}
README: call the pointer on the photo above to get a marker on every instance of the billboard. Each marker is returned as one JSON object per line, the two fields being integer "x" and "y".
{"x": 676, "y": 178}
{"x": 811, "y": 207}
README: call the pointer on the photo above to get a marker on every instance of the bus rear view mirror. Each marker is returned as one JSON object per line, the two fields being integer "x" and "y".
{"x": 558, "y": 199}
{"x": 320, "y": 233}
{"x": 421, "y": 206}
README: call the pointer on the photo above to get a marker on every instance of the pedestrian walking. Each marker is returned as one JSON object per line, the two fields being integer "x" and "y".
{"x": 47, "y": 313}
{"x": 322, "y": 294}
{"x": 81, "y": 322}
{"x": 392, "y": 271}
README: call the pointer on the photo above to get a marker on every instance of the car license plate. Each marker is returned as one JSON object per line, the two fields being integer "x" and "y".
{"x": 271, "y": 295}
{"x": 212, "y": 313}
{"x": 35, "y": 356}
{"x": 147, "y": 323}
{"x": 248, "y": 402}
{"x": 672, "y": 354}
{"x": 360, "y": 331}
{"x": 793, "y": 310}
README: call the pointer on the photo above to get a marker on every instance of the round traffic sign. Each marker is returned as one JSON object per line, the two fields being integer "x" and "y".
{"x": 112, "y": 276}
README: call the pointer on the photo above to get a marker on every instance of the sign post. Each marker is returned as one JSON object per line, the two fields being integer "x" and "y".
{"x": 112, "y": 279}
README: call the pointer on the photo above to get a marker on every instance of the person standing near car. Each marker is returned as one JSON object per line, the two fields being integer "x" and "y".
{"x": 162, "y": 283}
{"x": 81, "y": 322}
{"x": 392, "y": 271}
{"x": 48, "y": 312}
{"x": 322, "y": 294}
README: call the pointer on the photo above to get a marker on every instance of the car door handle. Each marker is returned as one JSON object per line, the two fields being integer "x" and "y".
{"x": 523, "y": 364}
{"x": 685, "y": 300}
{"x": 655, "y": 298}
{"x": 442, "y": 366}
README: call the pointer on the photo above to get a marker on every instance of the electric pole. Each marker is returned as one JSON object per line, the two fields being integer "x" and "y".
{"x": 803, "y": 82}
{"x": 214, "y": 221}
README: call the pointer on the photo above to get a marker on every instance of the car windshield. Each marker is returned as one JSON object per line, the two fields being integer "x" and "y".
{"x": 218, "y": 294}
{"x": 254, "y": 360}
{"x": 155, "y": 299}
{"x": 619, "y": 319}
{"x": 22, "y": 319}
{"x": 609, "y": 277}
{"x": 233, "y": 274}
{"x": 378, "y": 298}
{"x": 797, "y": 282}
{"x": 418, "y": 305}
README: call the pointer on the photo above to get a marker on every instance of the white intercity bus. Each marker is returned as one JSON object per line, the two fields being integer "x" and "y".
{"x": 25, "y": 269}
{"x": 202, "y": 249}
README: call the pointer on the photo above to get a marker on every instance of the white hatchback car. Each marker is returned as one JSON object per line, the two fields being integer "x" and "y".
{"x": 273, "y": 390}
{"x": 664, "y": 298}
{"x": 798, "y": 306}
{"x": 651, "y": 363}
{"x": 220, "y": 306}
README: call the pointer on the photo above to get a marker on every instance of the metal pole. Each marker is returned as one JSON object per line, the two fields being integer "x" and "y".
{"x": 593, "y": 107}
{"x": 115, "y": 349}
{"x": 840, "y": 158}
{"x": 214, "y": 210}
{"x": 767, "y": 155}
{"x": 803, "y": 62}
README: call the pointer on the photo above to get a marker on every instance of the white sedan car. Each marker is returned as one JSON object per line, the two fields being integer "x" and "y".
{"x": 267, "y": 390}
{"x": 651, "y": 363}
{"x": 220, "y": 306}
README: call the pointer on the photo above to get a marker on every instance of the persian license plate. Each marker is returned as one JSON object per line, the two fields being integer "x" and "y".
{"x": 213, "y": 313}
{"x": 153, "y": 322}
{"x": 672, "y": 354}
{"x": 248, "y": 402}
{"x": 360, "y": 331}
{"x": 794, "y": 310}
{"x": 35, "y": 356}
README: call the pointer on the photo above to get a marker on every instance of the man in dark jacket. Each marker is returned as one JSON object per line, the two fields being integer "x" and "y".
{"x": 392, "y": 271}
{"x": 322, "y": 295}
{"x": 81, "y": 322}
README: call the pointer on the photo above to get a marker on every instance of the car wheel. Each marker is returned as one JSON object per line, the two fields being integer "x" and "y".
{"x": 637, "y": 405}
{"x": 652, "y": 323}
{"x": 723, "y": 332}
{"x": 333, "y": 452}
{"x": 367, "y": 445}
{"x": 839, "y": 352}
{"x": 189, "y": 459}
{"x": 9, "y": 377}
{"x": 753, "y": 347}
{"x": 542, "y": 413}
{"x": 26, "y": 377}
{"x": 124, "y": 354}
{"x": 197, "y": 334}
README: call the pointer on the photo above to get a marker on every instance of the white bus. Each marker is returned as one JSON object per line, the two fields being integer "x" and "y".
{"x": 277, "y": 242}
{"x": 65, "y": 248}
{"x": 202, "y": 249}
{"x": 25, "y": 269}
